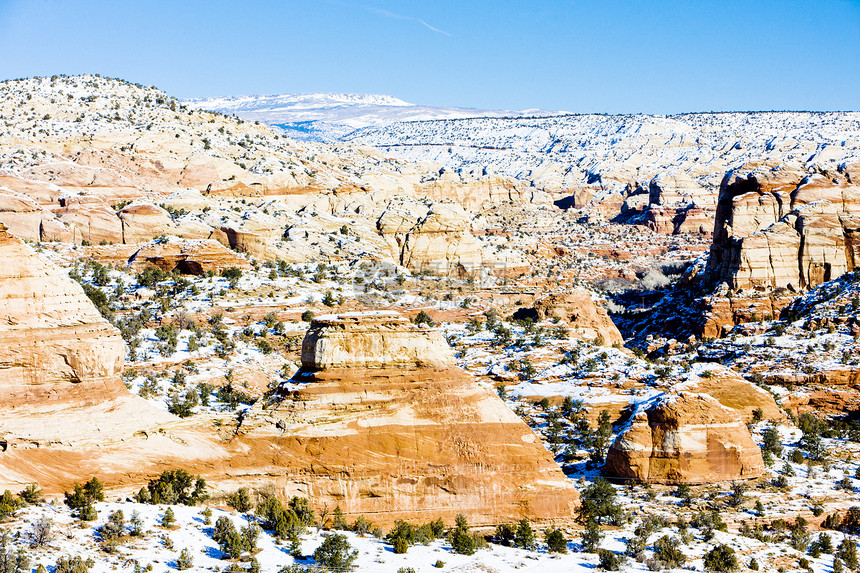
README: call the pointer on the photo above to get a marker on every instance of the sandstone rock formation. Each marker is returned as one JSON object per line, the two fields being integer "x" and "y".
{"x": 785, "y": 228}
{"x": 684, "y": 438}
{"x": 586, "y": 319}
{"x": 372, "y": 340}
{"x": 51, "y": 336}
{"x": 732, "y": 391}
{"x": 393, "y": 436}
{"x": 188, "y": 256}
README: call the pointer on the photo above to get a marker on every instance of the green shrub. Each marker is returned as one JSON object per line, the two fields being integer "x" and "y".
{"x": 721, "y": 558}
{"x": 227, "y": 538}
{"x": 30, "y": 494}
{"x": 240, "y": 500}
{"x": 168, "y": 519}
{"x": 88, "y": 513}
{"x": 86, "y": 494}
{"x": 505, "y": 534}
{"x": 598, "y": 504}
{"x": 666, "y": 552}
{"x": 847, "y": 552}
{"x": 591, "y": 537}
{"x": 73, "y": 565}
{"x": 185, "y": 560}
{"x": 461, "y": 540}
{"x": 400, "y": 545}
{"x": 12, "y": 559}
{"x": 335, "y": 552}
{"x": 114, "y": 527}
{"x": 283, "y": 522}
{"x": 555, "y": 541}
{"x": 608, "y": 560}
{"x": 177, "y": 487}
{"x": 525, "y": 537}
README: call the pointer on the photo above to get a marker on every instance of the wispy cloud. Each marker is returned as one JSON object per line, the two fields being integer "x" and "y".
{"x": 392, "y": 15}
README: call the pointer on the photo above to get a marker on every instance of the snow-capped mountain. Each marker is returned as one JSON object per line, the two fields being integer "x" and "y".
{"x": 329, "y": 116}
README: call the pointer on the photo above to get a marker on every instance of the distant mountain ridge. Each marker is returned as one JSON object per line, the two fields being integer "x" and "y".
{"x": 329, "y": 116}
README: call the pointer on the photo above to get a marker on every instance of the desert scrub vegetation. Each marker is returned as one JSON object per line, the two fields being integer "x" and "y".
{"x": 174, "y": 487}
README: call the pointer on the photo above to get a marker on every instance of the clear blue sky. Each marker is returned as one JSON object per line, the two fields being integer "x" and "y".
{"x": 583, "y": 56}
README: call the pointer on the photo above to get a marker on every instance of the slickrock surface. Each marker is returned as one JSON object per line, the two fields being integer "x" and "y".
{"x": 51, "y": 335}
{"x": 732, "y": 391}
{"x": 406, "y": 438}
{"x": 684, "y": 438}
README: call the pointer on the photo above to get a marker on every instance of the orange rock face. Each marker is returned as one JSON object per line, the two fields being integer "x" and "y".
{"x": 785, "y": 229}
{"x": 587, "y": 320}
{"x": 685, "y": 438}
{"x": 51, "y": 335}
{"x": 188, "y": 256}
{"x": 399, "y": 442}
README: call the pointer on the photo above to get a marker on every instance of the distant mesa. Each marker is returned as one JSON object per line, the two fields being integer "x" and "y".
{"x": 330, "y": 116}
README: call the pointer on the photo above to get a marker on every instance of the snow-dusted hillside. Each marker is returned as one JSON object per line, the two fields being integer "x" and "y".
{"x": 327, "y": 116}
{"x": 607, "y": 152}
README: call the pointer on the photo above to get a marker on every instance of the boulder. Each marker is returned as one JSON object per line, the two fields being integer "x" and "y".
{"x": 684, "y": 438}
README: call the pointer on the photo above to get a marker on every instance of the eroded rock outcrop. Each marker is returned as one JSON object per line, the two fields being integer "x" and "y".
{"x": 587, "y": 320}
{"x": 379, "y": 422}
{"x": 684, "y": 438}
{"x": 372, "y": 340}
{"x": 188, "y": 256}
{"x": 784, "y": 228}
{"x": 51, "y": 335}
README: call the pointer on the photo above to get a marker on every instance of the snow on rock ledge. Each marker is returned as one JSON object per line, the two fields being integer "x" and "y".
{"x": 372, "y": 340}
{"x": 684, "y": 438}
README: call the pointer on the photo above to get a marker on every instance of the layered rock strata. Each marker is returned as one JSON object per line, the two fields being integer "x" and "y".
{"x": 684, "y": 438}
{"x": 783, "y": 229}
{"x": 51, "y": 336}
{"x": 587, "y": 319}
{"x": 382, "y": 424}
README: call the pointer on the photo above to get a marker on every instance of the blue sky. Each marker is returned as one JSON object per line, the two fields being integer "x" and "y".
{"x": 597, "y": 56}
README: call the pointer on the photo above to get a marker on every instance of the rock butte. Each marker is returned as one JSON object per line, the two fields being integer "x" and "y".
{"x": 407, "y": 436}
{"x": 684, "y": 438}
{"x": 587, "y": 320}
